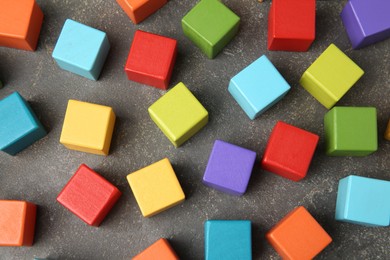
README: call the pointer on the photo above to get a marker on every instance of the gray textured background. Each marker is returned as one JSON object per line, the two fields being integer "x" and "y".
{"x": 38, "y": 173}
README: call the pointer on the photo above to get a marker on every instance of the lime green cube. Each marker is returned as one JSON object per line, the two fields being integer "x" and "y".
{"x": 351, "y": 131}
{"x": 331, "y": 76}
{"x": 178, "y": 114}
{"x": 210, "y": 25}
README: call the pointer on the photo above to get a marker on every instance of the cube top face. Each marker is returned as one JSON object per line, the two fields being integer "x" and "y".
{"x": 15, "y": 17}
{"x": 88, "y": 195}
{"x": 364, "y": 201}
{"x": 156, "y": 188}
{"x": 178, "y": 114}
{"x": 88, "y": 127}
{"x": 351, "y": 131}
{"x": 158, "y": 250}
{"x": 289, "y": 151}
{"x": 229, "y": 168}
{"x": 298, "y": 236}
{"x": 228, "y": 239}
{"x": 138, "y": 10}
{"x": 258, "y": 87}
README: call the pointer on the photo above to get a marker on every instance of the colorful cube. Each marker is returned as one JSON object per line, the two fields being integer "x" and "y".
{"x": 178, "y": 114}
{"x": 291, "y": 25}
{"x": 20, "y": 24}
{"x": 366, "y": 22}
{"x": 387, "y": 132}
{"x": 139, "y": 10}
{"x": 298, "y": 236}
{"x": 156, "y": 188}
{"x": 151, "y": 59}
{"x": 210, "y": 25}
{"x": 228, "y": 239}
{"x": 88, "y": 127}
{"x": 330, "y": 76}
{"x": 76, "y": 39}
{"x": 258, "y": 87}
{"x": 20, "y": 126}
{"x": 89, "y": 196}
{"x": 351, "y": 131}
{"x": 17, "y": 223}
{"x": 363, "y": 201}
{"x": 161, "y": 250}
{"x": 229, "y": 168}
{"x": 289, "y": 151}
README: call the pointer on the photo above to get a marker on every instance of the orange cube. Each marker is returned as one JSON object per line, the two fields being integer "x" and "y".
{"x": 298, "y": 236}
{"x": 159, "y": 250}
{"x": 20, "y": 24}
{"x": 139, "y": 10}
{"x": 17, "y": 223}
{"x": 387, "y": 133}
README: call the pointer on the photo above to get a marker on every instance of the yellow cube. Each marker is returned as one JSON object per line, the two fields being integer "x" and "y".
{"x": 156, "y": 188}
{"x": 88, "y": 127}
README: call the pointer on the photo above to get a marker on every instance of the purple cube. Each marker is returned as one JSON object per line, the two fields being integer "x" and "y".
{"x": 229, "y": 168}
{"x": 366, "y": 21}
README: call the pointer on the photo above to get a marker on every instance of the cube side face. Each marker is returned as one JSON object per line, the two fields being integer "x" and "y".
{"x": 352, "y": 25}
{"x": 387, "y": 132}
{"x": 228, "y": 239}
{"x": 342, "y": 201}
{"x": 161, "y": 249}
{"x": 29, "y": 225}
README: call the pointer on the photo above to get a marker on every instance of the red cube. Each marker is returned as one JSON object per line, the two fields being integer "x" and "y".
{"x": 291, "y": 25}
{"x": 151, "y": 59}
{"x": 89, "y": 196}
{"x": 289, "y": 151}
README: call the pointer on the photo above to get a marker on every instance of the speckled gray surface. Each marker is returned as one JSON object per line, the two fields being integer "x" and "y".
{"x": 38, "y": 173}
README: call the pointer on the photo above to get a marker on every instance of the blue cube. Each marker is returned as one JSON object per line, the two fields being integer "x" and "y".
{"x": 363, "y": 201}
{"x": 258, "y": 87}
{"x": 19, "y": 126}
{"x": 81, "y": 49}
{"x": 228, "y": 240}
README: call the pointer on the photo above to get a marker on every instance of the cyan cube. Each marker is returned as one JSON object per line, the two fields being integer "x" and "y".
{"x": 363, "y": 201}
{"x": 228, "y": 240}
{"x": 81, "y": 49}
{"x": 19, "y": 126}
{"x": 258, "y": 87}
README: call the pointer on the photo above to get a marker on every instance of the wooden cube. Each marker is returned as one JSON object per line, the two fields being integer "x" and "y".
{"x": 151, "y": 59}
{"x": 387, "y": 132}
{"x": 330, "y": 76}
{"x": 178, "y": 114}
{"x": 20, "y": 24}
{"x": 160, "y": 249}
{"x": 156, "y": 188}
{"x": 351, "y": 131}
{"x": 298, "y": 236}
{"x": 139, "y": 10}
{"x": 17, "y": 223}
{"x": 89, "y": 196}
{"x": 88, "y": 127}
{"x": 291, "y": 25}
{"x": 289, "y": 151}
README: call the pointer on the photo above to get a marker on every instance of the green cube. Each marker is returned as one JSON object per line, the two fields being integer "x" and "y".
{"x": 330, "y": 76}
{"x": 351, "y": 131}
{"x": 178, "y": 114}
{"x": 211, "y": 26}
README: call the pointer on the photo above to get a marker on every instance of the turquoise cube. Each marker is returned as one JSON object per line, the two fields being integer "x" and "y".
{"x": 258, "y": 87}
{"x": 363, "y": 201}
{"x": 228, "y": 240}
{"x": 81, "y": 49}
{"x": 19, "y": 126}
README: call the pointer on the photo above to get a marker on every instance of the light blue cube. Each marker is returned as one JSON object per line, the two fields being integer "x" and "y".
{"x": 258, "y": 87}
{"x": 228, "y": 240}
{"x": 363, "y": 201}
{"x": 19, "y": 126}
{"x": 81, "y": 49}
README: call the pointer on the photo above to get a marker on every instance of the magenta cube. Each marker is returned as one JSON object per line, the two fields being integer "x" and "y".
{"x": 229, "y": 168}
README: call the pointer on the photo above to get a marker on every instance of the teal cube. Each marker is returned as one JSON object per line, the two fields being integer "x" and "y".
{"x": 210, "y": 25}
{"x": 228, "y": 240}
{"x": 81, "y": 49}
{"x": 363, "y": 201}
{"x": 351, "y": 131}
{"x": 19, "y": 126}
{"x": 258, "y": 87}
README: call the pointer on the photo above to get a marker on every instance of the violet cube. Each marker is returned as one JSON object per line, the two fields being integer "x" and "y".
{"x": 366, "y": 21}
{"x": 229, "y": 168}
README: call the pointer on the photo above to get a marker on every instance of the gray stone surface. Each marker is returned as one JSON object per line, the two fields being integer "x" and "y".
{"x": 39, "y": 173}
